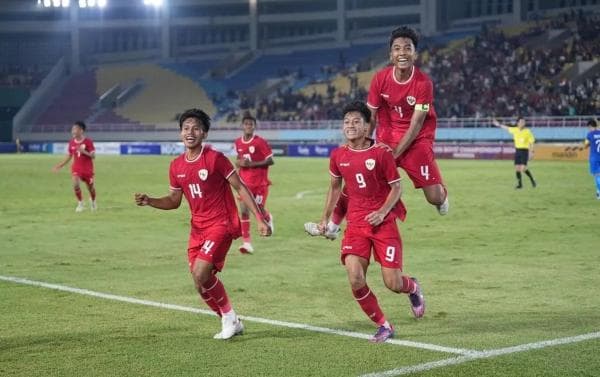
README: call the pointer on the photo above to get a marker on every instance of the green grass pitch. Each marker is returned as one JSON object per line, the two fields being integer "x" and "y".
{"x": 506, "y": 267}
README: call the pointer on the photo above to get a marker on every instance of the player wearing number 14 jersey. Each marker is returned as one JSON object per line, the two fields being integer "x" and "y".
{"x": 204, "y": 177}
{"x": 372, "y": 186}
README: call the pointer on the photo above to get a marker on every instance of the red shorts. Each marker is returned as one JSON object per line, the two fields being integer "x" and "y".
{"x": 418, "y": 161}
{"x": 86, "y": 177}
{"x": 384, "y": 240}
{"x": 260, "y": 194}
{"x": 210, "y": 245}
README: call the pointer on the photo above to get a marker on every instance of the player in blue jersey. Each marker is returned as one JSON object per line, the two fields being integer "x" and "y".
{"x": 592, "y": 140}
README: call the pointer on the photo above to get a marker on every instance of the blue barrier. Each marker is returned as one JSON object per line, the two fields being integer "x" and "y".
{"x": 140, "y": 148}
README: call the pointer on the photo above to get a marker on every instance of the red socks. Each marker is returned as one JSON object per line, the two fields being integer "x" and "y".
{"x": 368, "y": 303}
{"x": 408, "y": 286}
{"x": 211, "y": 303}
{"x": 215, "y": 289}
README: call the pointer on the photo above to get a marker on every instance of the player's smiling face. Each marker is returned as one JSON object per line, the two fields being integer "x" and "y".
{"x": 403, "y": 53}
{"x": 192, "y": 133}
{"x": 355, "y": 126}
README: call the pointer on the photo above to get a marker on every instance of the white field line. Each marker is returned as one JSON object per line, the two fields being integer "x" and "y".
{"x": 483, "y": 355}
{"x": 301, "y": 194}
{"x": 301, "y": 326}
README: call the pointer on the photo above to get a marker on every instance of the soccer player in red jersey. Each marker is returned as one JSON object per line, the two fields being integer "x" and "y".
{"x": 203, "y": 176}
{"x": 373, "y": 189}
{"x": 254, "y": 156}
{"x": 81, "y": 149}
{"x": 401, "y": 102}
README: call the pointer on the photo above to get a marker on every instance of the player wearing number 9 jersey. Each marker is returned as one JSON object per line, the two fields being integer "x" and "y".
{"x": 372, "y": 186}
{"x": 204, "y": 177}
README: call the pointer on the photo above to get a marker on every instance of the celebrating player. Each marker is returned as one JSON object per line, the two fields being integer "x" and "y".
{"x": 254, "y": 156}
{"x": 592, "y": 141}
{"x": 401, "y": 102}
{"x": 81, "y": 149}
{"x": 373, "y": 189}
{"x": 203, "y": 176}
{"x": 523, "y": 138}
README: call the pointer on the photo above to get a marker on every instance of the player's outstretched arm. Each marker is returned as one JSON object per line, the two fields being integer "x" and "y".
{"x": 263, "y": 227}
{"x": 243, "y": 163}
{"x": 59, "y": 166}
{"x": 171, "y": 201}
{"x": 333, "y": 194}
{"x": 376, "y": 217}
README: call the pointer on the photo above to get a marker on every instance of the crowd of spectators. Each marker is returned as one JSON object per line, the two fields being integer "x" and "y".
{"x": 496, "y": 75}
{"x": 491, "y": 75}
{"x": 14, "y": 75}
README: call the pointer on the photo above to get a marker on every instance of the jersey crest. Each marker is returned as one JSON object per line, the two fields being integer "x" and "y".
{"x": 251, "y": 149}
{"x": 203, "y": 174}
{"x": 411, "y": 100}
{"x": 370, "y": 164}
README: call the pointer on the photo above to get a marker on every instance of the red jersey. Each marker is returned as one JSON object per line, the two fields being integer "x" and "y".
{"x": 396, "y": 103}
{"x": 367, "y": 176}
{"x": 82, "y": 164}
{"x": 255, "y": 149}
{"x": 207, "y": 190}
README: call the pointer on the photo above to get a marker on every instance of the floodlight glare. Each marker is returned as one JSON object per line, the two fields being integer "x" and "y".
{"x": 56, "y": 3}
{"x": 82, "y": 3}
{"x": 91, "y": 3}
{"x": 47, "y": 3}
{"x": 155, "y": 3}
{"x": 101, "y": 3}
{"x": 65, "y": 3}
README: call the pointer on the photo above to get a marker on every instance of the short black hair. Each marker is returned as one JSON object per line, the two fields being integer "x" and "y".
{"x": 249, "y": 116}
{"x": 80, "y": 124}
{"x": 404, "y": 32}
{"x": 359, "y": 107}
{"x": 198, "y": 114}
{"x": 592, "y": 123}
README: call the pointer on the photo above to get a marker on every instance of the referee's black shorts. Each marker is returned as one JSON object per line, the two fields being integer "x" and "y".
{"x": 521, "y": 156}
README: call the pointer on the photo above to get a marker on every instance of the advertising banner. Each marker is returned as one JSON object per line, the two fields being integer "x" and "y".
{"x": 311, "y": 150}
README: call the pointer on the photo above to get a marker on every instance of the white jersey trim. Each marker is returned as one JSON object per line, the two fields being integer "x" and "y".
{"x": 395, "y": 180}
{"x": 197, "y": 157}
{"x": 247, "y": 142}
{"x": 371, "y": 106}
{"x": 360, "y": 150}
{"x": 174, "y": 188}
{"x": 230, "y": 173}
{"x": 412, "y": 74}
{"x": 333, "y": 175}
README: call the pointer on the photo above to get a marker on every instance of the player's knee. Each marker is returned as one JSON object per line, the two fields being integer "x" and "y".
{"x": 393, "y": 284}
{"x": 357, "y": 281}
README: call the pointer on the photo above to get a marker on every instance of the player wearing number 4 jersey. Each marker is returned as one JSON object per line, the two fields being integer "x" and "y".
{"x": 254, "y": 156}
{"x": 403, "y": 115}
{"x": 372, "y": 185}
{"x": 203, "y": 176}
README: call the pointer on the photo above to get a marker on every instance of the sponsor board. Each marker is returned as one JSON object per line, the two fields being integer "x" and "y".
{"x": 310, "y": 150}
{"x": 557, "y": 152}
{"x": 474, "y": 151}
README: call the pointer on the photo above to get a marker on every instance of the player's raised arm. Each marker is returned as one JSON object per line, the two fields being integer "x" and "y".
{"x": 171, "y": 201}
{"x": 263, "y": 227}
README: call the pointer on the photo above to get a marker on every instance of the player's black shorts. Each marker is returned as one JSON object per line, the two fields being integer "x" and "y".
{"x": 521, "y": 156}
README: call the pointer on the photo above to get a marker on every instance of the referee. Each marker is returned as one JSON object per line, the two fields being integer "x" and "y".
{"x": 524, "y": 140}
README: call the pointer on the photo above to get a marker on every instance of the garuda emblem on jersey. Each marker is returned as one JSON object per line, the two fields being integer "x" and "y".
{"x": 370, "y": 164}
{"x": 251, "y": 149}
{"x": 203, "y": 174}
{"x": 411, "y": 100}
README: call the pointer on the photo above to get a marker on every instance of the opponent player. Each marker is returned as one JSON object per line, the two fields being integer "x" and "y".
{"x": 523, "y": 138}
{"x": 373, "y": 189}
{"x": 401, "y": 101}
{"x": 254, "y": 156}
{"x": 81, "y": 149}
{"x": 592, "y": 141}
{"x": 203, "y": 176}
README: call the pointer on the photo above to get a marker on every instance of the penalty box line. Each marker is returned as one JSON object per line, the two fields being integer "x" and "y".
{"x": 292, "y": 325}
{"x": 483, "y": 355}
